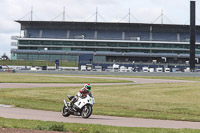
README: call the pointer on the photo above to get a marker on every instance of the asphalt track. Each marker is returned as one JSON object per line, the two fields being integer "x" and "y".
{"x": 19, "y": 113}
{"x": 134, "y": 81}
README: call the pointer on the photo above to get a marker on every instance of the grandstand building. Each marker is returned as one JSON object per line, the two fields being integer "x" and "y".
{"x": 106, "y": 42}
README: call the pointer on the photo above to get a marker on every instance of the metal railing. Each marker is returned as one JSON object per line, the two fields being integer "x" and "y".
{"x": 14, "y": 37}
{"x": 89, "y": 38}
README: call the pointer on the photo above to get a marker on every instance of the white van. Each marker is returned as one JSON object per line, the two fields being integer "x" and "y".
{"x": 115, "y": 68}
{"x": 123, "y": 69}
{"x": 83, "y": 67}
{"x": 159, "y": 69}
{"x": 145, "y": 69}
{"x": 151, "y": 69}
{"x": 167, "y": 69}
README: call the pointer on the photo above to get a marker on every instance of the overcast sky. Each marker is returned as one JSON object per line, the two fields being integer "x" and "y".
{"x": 145, "y": 11}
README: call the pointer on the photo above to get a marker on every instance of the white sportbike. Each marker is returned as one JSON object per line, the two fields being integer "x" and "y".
{"x": 82, "y": 107}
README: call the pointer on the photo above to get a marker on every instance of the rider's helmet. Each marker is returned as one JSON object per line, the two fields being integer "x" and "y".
{"x": 87, "y": 87}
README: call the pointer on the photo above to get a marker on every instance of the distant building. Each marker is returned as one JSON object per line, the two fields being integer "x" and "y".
{"x": 107, "y": 42}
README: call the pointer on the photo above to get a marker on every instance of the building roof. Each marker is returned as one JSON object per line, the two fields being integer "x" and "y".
{"x": 113, "y": 26}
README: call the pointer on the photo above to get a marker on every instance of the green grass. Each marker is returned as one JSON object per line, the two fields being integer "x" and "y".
{"x": 36, "y": 78}
{"x": 84, "y": 128}
{"x": 165, "y": 77}
{"x": 173, "y": 101}
{"x": 37, "y": 63}
{"x": 152, "y": 77}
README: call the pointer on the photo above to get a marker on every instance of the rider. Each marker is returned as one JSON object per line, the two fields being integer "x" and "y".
{"x": 86, "y": 90}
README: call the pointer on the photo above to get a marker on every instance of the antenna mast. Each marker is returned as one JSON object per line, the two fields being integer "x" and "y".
{"x": 64, "y": 13}
{"x": 31, "y": 13}
{"x": 96, "y": 14}
{"x": 129, "y": 14}
{"x": 162, "y": 16}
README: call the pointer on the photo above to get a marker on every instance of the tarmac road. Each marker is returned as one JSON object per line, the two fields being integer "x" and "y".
{"x": 19, "y": 113}
{"x": 134, "y": 81}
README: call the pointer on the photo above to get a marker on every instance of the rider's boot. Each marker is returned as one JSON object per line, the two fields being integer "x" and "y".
{"x": 71, "y": 103}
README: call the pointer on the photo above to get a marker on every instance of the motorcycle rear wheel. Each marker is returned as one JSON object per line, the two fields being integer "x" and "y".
{"x": 65, "y": 111}
{"x": 86, "y": 111}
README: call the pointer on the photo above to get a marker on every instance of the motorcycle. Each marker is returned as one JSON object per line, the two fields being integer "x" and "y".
{"x": 82, "y": 107}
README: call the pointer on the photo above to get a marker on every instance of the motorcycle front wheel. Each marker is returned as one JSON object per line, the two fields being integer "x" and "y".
{"x": 65, "y": 111}
{"x": 86, "y": 111}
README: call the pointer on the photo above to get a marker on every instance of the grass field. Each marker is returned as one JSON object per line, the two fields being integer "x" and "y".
{"x": 174, "y": 101}
{"x": 167, "y": 77}
{"x": 152, "y": 77}
{"x": 36, "y": 78}
{"x": 37, "y": 63}
{"x": 83, "y": 128}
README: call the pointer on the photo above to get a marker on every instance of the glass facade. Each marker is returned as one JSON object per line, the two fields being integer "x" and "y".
{"x": 106, "y": 41}
{"x": 46, "y": 57}
{"x": 94, "y": 46}
{"x": 106, "y": 46}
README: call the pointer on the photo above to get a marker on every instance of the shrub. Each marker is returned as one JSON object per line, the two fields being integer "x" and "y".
{"x": 56, "y": 127}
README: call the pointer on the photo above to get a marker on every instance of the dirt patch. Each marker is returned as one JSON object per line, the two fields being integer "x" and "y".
{"x": 18, "y": 130}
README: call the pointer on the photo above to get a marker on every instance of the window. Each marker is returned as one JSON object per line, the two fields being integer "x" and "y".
{"x": 46, "y": 42}
{"x": 24, "y": 42}
{"x": 101, "y": 44}
{"x": 110, "y": 44}
{"x": 57, "y": 42}
{"x": 35, "y": 42}
{"x": 89, "y": 43}
{"x": 68, "y": 43}
{"x": 123, "y": 44}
